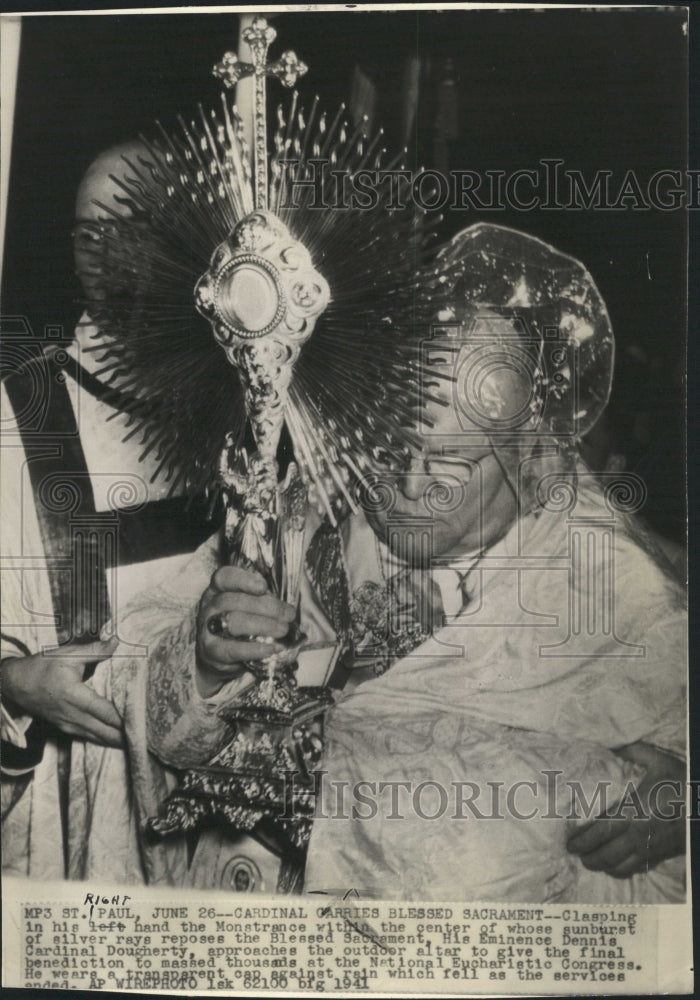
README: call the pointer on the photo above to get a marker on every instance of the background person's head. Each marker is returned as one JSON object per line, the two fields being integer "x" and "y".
{"x": 101, "y": 199}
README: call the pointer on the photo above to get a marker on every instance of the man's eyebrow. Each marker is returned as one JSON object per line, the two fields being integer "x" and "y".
{"x": 475, "y": 455}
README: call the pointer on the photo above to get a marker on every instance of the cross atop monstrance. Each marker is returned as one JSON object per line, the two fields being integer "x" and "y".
{"x": 288, "y": 68}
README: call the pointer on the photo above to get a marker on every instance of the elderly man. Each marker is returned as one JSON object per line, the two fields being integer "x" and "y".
{"x": 518, "y": 652}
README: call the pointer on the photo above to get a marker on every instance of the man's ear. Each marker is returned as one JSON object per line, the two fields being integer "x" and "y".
{"x": 100, "y": 187}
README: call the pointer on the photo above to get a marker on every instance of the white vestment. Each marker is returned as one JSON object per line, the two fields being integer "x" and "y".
{"x": 555, "y": 661}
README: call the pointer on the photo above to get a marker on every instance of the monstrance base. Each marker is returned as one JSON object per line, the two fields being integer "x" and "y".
{"x": 263, "y": 776}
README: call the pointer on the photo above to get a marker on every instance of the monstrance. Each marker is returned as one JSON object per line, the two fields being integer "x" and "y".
{"x": 262, "y": 295}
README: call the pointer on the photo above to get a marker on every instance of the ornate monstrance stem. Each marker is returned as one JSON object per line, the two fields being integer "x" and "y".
{"x": 262, "y": 296}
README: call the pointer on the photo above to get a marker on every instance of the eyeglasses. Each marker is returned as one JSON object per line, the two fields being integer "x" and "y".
{"x": 434, "y": 465}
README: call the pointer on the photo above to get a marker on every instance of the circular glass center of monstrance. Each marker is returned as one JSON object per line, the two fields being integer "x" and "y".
{"x": 248, "y": 298}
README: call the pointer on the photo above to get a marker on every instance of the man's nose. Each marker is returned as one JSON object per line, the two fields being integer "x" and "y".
{"x": 413, "y": 483}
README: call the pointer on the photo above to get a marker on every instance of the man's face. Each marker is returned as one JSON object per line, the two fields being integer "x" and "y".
{"x": 460, "y": 486}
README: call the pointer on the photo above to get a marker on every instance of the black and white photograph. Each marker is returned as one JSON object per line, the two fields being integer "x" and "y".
{"x": 343, "y": 540}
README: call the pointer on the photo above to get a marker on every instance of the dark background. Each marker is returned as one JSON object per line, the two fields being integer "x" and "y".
{"x": 596, "y": 89}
